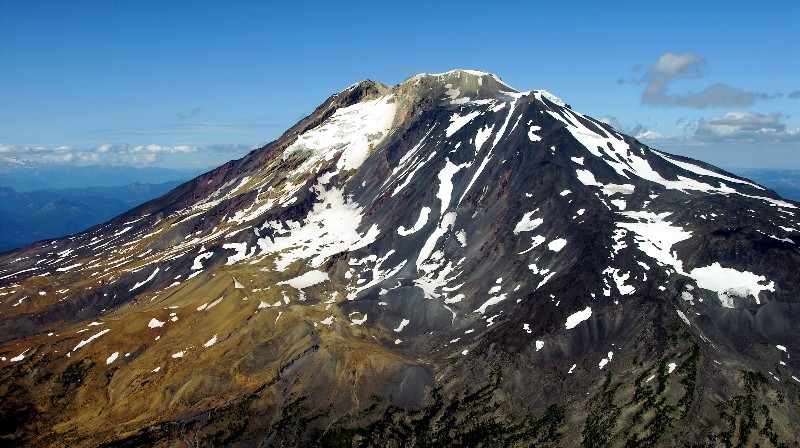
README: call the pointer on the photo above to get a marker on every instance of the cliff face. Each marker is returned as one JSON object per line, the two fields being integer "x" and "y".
{"x": 443, "y": 262}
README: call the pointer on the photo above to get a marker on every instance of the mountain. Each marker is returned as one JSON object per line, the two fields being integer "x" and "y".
{"x": 35, "y": 177}
{"x": 785, "y": 182}
{"x": 26, "y": 217}
{"x": 444, "y": 262}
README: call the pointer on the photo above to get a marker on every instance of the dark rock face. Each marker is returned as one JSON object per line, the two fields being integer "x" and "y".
{"x": 443, "y": 262}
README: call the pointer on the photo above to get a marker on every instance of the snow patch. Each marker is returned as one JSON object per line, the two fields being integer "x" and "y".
{"x": 526, "y": 224}
{"x": 574, "y": 319}
{"x": 86, "y": 341}
{"x": 402, "y": 325}
{"x": 458, "y": 121}
{"x": 421, "y": 221}
{"x": 557, "y": 244}
{"x": 306, "y": 280}
{"x": 210, "y": 342}
{"x": 532, "y": 133}
{"x": 729, "y": 283}
{"x": 671, "y": 367}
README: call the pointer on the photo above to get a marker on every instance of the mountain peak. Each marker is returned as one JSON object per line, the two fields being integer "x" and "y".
{"x": 458, "y": 86}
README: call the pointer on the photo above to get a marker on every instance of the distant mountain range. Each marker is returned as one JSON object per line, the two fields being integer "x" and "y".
{"x": 785, "y": 182}
{"x": 50, "y": 201}
{"x": 47, "y": 177}
{"x": 26, "y": 217}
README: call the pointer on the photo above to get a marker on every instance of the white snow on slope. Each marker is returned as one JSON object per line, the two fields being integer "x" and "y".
{"x": 421, "y": 221}
{"x": 402, "y": 325}
{"x": 705, "y": 172}
{"x": 532, "y": 133}
{"x": 655, "y": 236}
{"x": 329, "y": 228}
{"x": 557, "y": 244}
{"x": 729, "y": 283}
{"x": 574, "y": 319}
{"x": 620, "y": 279}
{"x": 198, "y": 260}
{"x": 540, "y": 94}
{"x": 350, "y": 130}
{"x": 305, "y": 280}
{"x": 683, "y": 317}
{"x": 140, "y": 284}
{"x": 155, "y": 323}
{"x": 627, "y": 161}
{"x": 459, "y": 121}
{"x": 492, "y": 301}
{"x": 210, "y": 342}
{"x": 19, "y": 357}
{"x": 482, "y": 136}
{"x": 241, "y": 252}
{"x": 447, "y": 219}
{"x": 526, "y": 224}
{"x": 86, "y": 341}
{"x": 671, "y": 367}
{"x": 606, "y": 360}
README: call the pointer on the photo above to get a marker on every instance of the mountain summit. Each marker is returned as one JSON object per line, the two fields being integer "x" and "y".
{"x": 445, "y": 262}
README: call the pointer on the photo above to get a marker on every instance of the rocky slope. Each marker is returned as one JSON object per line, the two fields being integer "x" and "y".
{"x": 445, "y": 262}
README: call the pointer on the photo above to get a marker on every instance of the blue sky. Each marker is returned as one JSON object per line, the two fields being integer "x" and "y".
{"x": 193, "y": 84}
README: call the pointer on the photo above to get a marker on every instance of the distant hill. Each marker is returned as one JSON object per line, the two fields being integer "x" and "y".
{"x": 785, "y": 182}
{"x": 46, "y": 177}
{"x": 26, "y": 217}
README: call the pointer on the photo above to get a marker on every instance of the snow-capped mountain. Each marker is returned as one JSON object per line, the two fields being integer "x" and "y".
{"x": 444, "y": 262}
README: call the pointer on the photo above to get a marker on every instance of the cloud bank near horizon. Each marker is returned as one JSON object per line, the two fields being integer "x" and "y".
{"x": 110, "y": 153}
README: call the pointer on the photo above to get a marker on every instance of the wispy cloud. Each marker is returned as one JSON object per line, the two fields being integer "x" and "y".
{"x": 190, "y": 114}
{"x": 794, "y": 95}
{"x": 670, "y": 67}
{"x": 183, "y": 128}
{"x": 231, "y": 149}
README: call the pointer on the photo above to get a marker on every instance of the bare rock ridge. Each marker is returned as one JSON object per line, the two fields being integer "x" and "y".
{"x": 444, "y": 262}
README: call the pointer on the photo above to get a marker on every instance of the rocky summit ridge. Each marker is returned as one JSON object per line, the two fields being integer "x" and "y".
{"x": 444, "y": 262}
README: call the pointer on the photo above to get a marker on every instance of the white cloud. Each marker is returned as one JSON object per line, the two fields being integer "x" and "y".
{"x": 157, "y": 149}
{"x": 106, "y": 153}
{"x": 730, "y": 128}
{"x": 745, "y": 127}
{"x": 636, "y": 131}
{"x": 670, "y": 66}
{"x": 144, "y": 149}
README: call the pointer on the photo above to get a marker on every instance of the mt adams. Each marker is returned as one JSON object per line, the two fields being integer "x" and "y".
{"x": 445, "y": 262}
